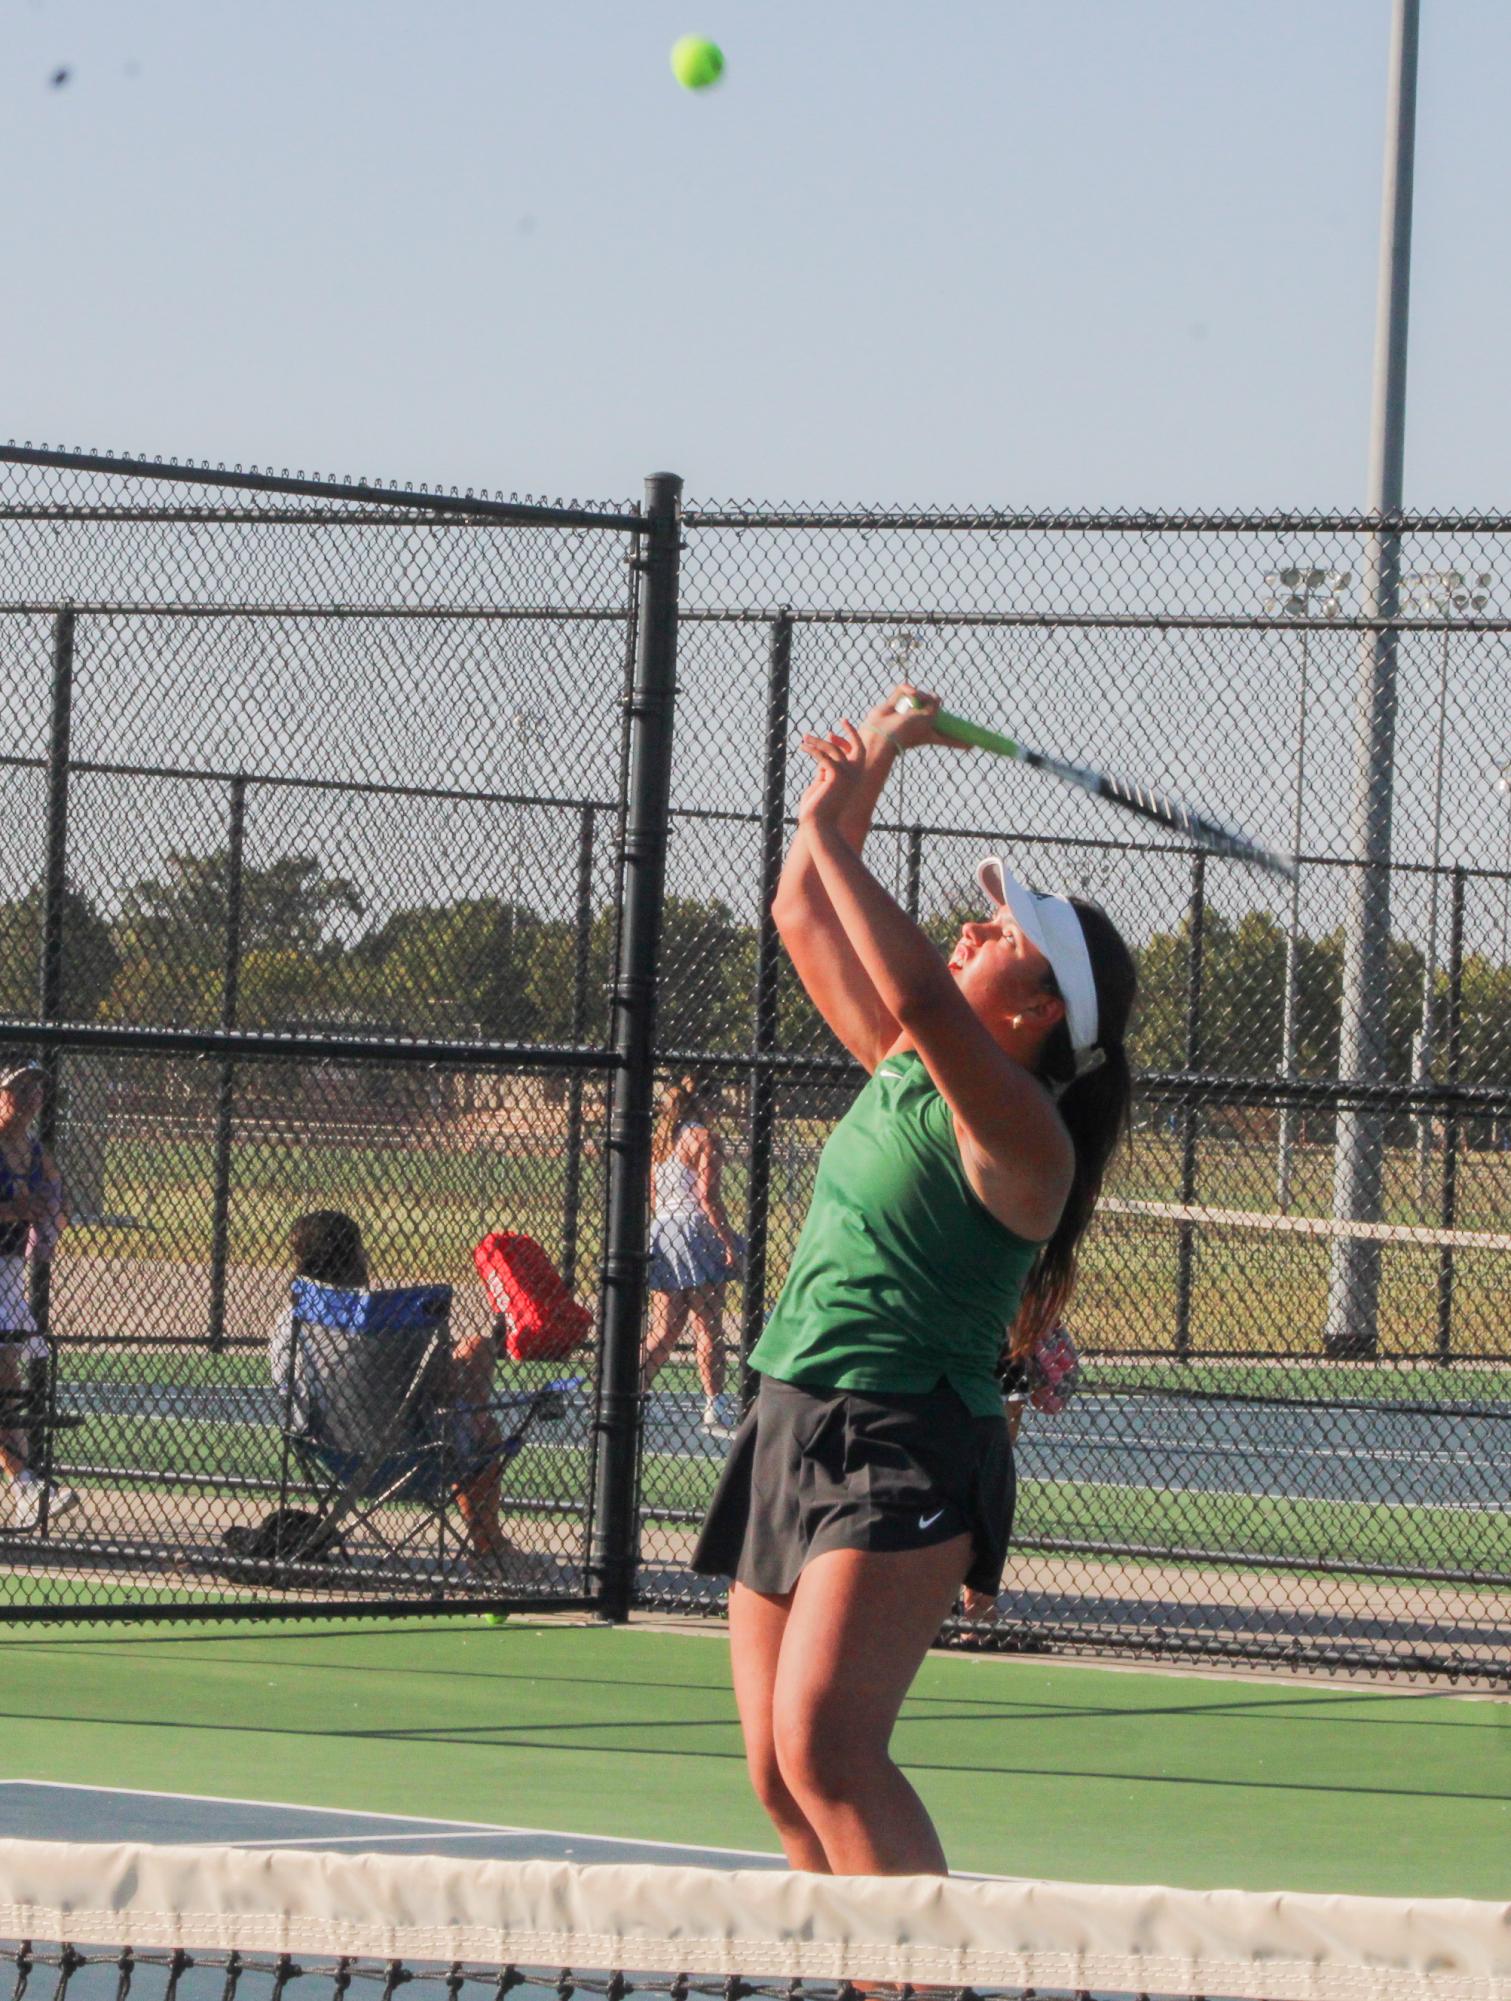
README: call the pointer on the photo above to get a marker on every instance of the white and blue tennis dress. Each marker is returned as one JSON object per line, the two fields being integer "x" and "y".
{"x": 685, "y": 1247}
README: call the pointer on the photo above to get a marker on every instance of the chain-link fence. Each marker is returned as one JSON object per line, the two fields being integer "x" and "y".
{"x": 1274, "y": 1453}
{"x": 315, "y": 801}
{"x": 339, "y": 819}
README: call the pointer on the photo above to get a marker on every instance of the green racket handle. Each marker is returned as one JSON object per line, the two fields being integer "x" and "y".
{"x": 958, "y": 730}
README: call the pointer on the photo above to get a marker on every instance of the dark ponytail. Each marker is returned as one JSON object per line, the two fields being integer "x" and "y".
{"x": 1096, "y": 1106}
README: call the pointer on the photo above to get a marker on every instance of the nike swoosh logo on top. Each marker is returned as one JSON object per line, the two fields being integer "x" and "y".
{"x": 928, "y": 1521}
{"x": 891, "y": 1073}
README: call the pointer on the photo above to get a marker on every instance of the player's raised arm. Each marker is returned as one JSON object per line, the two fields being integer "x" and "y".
{"x": 1016, "y": 1152}
{"x": 826, "y": 963}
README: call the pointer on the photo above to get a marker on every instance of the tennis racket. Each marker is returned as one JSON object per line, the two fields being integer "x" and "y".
{"x": 1147, "y": 801}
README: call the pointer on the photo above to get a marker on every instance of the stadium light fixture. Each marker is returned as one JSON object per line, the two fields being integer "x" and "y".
{"x": 1295, "y": 589}
{"x": 1444, "y": 594}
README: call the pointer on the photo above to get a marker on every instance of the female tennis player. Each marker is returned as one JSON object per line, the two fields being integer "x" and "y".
{"x": 694, "y": 1252}
{"x": 33, "y": 1211}
{"x": 872, "y": 1477}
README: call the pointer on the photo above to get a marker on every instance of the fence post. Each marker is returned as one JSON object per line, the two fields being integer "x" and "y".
{"x": 914, "y": 870}
{"x": 614, "y": 1549}
{"x": 41, "y": 1374}
{"x": 1455, "y": 1038}
{"x": 572, "y": 1199}
{"x": 225, "y": 1095}
{"x": 763, "y": 1090}
{"x": 1190, "y": 1120}
{"x": 50, "y": 995}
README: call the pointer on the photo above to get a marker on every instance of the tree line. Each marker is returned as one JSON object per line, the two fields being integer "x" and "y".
{"x": 497, "y": 969}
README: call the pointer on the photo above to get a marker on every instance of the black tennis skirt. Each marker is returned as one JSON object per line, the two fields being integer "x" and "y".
{"x": 812, "y": 1470}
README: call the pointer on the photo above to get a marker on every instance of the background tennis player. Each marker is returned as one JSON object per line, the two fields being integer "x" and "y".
{"x": 873, "y": 1475}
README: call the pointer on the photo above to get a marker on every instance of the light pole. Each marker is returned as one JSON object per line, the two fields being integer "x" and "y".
{"x": 1443, "y": 594}
{"x": 1503, "y": 787}
{"x": 1353, "y": 1289}
{"x": 1294, "y": 589}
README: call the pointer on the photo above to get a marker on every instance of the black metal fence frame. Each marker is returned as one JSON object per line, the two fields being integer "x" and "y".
{"x": 627, "y": 1060}
{"x": 1186, "y": 1091}
{"x": 632, "y": 1057}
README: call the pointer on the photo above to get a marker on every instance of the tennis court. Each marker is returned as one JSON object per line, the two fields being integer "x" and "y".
{"x": 318, "y": 1806}
{"x": 1149, "y": 1483}
{"x": 407, "y": 885}
{"x": 609, "y": 1744}
{"x": 1367, "y": 1451}
{"x": 1173, "y": 1503}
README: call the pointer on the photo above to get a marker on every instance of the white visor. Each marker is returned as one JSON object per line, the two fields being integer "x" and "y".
{"x": 1051, "y": 925}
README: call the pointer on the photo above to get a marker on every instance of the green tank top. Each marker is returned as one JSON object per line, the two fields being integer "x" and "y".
{"x": 901, "y": 1276}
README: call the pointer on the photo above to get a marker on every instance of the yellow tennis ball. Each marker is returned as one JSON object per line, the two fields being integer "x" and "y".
{"x": 697, "y": 62}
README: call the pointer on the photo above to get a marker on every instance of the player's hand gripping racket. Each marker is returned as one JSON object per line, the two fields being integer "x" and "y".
{"x": 1150, "y": 804}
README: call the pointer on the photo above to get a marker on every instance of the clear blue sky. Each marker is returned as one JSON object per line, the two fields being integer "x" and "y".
{"x": 1096, "y": 252}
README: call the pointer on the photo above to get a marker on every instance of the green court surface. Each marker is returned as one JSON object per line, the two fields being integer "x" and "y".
{"x": 1088, "y": 1773}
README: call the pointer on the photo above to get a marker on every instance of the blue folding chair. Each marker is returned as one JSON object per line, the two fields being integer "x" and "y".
{"x": 368, "y": 1424}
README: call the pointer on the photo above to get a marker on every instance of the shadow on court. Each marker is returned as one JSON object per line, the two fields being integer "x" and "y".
{"x": 596, "y": 1743}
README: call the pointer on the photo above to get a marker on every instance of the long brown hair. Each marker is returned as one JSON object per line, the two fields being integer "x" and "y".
{"x": 1096, "y": 1108}
{"x": 680, "y": 1102}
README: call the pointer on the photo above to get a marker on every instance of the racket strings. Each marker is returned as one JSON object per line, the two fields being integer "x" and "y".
{"x": 1198, "y": 827}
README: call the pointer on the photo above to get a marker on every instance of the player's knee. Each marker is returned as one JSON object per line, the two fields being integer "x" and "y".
{"x": 819, "y": 1754}
{"x": 771, "y": 1789}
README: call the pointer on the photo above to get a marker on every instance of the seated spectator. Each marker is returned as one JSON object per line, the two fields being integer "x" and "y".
{"x": 33, "y": 1213}
{"x": 326, "y": 1246}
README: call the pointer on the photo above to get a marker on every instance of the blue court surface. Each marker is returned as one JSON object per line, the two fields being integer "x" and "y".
{"x": 42, "y": 1811}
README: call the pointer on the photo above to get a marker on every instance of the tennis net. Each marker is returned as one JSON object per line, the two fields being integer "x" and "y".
{"x": 175, "y": 1924}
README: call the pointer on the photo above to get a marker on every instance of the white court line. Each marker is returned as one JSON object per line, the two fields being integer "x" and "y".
{"x": 368, "y": 1813}
{"x": 364, "y": 1841}
{"x": 479, "y": 1827}
{"x": 476, "y": 1834}
{"x": 603, "y": 1840}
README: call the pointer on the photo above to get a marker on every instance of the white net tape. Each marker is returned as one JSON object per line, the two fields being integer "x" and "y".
{"x": 917, "y": 1930}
